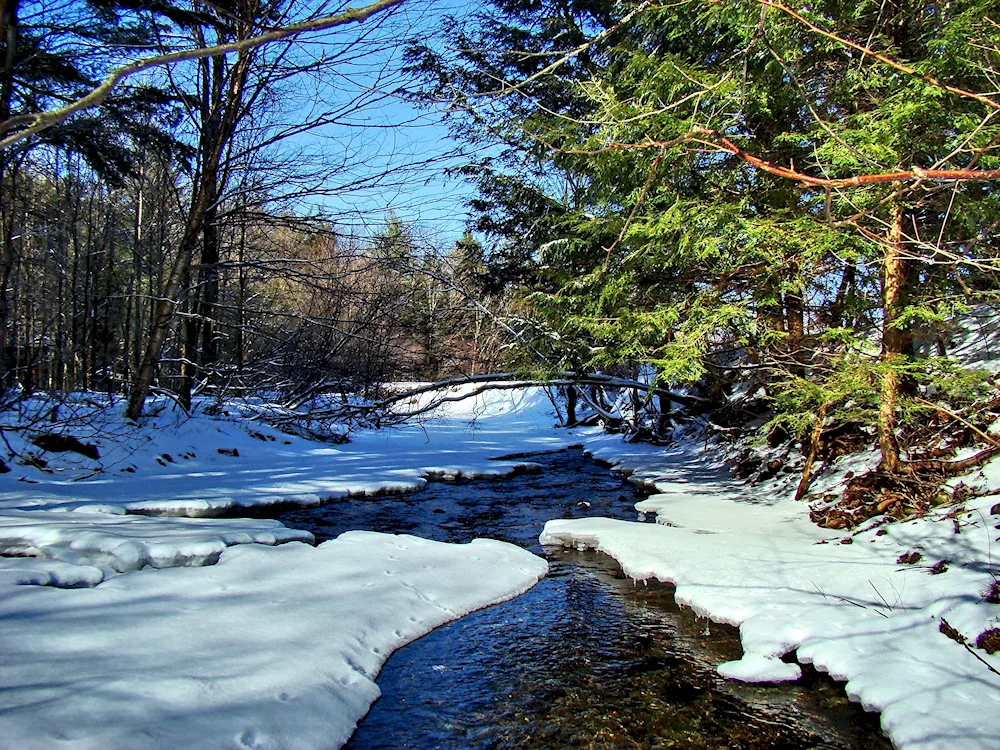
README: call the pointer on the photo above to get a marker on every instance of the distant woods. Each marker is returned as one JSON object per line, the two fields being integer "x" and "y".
{"x": 293, "y": 304}
{"x": 159, "y": 241}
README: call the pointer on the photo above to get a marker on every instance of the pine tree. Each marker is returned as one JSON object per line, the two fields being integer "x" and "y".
{"x": 752, "y": 186}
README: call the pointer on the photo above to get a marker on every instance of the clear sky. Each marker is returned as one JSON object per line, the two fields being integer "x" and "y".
{"x": 379, "y": 153}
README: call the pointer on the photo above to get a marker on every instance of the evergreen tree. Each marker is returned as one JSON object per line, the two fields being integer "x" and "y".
{"x": 722, "y": 184}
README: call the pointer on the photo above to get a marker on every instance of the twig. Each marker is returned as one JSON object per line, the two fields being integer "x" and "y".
{"x": 957, "y": 418}
{"x": 946, "y": 629}
{"x": 40, "y": 121}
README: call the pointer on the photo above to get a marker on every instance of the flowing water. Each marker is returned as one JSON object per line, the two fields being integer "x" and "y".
{"x": 586, "y": 658}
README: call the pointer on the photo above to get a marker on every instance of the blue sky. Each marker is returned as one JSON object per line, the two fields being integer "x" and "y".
{"x": 391, "y": 153}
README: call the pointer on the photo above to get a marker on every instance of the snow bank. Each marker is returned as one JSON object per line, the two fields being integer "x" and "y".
{"x": 130, "y": 631}
{"x": 271, "y": 647}
{"x": 205, "y": 467}
{"x": 120, "y": 543}
{"x": 278, "y": 646}
{"x": 750, "y": 557}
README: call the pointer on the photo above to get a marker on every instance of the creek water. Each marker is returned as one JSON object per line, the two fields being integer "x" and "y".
{"x": 586, "y": 658}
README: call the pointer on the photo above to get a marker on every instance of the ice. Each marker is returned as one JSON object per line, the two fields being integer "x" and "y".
{"x": 128, "y": 618}
{"x": 25, "y": 571}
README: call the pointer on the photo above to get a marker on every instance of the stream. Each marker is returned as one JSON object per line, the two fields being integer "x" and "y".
{"x": 586, "y": 658}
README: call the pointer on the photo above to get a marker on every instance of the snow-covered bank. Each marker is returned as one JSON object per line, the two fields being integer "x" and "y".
{"x": 272, "y": 630}
{"x": 265, "y": 646}
{"x": 271, "y": 647}
{"x": 750, "y": 557}
{"x": 202, "y": 466}
{"x": 82, "y": 548}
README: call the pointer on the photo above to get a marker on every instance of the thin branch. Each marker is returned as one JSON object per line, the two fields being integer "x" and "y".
{"x": 635, "y": 208}
{"x": 868, "y": 51}
{"x": 714, "y": 139}
{"x": 43, "y": 120}
{"x": 988, "y": 438}
{"x": 508, "y": 88}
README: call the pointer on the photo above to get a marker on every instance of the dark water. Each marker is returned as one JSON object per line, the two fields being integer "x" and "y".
{"x": 586, "y": 658}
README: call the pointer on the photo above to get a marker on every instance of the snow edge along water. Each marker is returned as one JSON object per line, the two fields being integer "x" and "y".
{"x": 272, "y": 647}
{"x": 750, "y": 557}
{"x": 191, "y": 641}
{"x": 741, "y": 555}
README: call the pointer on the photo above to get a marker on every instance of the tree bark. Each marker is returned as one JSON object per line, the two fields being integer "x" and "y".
{"x": 221, "y": 130}
{"x": 8, "y": 33}
{"x": 796, "y": 327}
{"x": 897, "y": 339}
{"x": 570, "y": 405}
{"x": 165, "y": 306}
{"x": 844, "y": 290}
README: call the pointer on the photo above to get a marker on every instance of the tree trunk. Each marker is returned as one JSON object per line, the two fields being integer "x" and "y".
{"x": 241, "y": 290}
{"x": 221, "y": 125}
{"x": 844, "y": 290}
{"x": 8, "y": 27}
{"x": 165, "y": 307}
{"x": 570, "y": 405}
{"x": 897, "y": 339}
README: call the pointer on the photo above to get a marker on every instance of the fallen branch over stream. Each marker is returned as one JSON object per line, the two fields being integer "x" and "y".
{"x": 382, "y": 411}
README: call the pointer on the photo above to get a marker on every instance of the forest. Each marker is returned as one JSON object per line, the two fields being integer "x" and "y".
{"x": 328, "y": 330}
{"x": 769, "y": 214}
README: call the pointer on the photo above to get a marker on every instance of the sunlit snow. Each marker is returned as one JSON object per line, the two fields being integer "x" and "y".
{"x": 174, "y": 632}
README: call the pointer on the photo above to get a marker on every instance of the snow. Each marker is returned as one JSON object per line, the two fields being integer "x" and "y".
{"x": 120, "y": 543}
{"x": 750, "y": 557}
{"x": 973, "y": 339}
{"x": 176, "y": 628}
{"x": 272, "y": 647}
{"x": 121, "y": 630}
{"x": 173, "y": 465}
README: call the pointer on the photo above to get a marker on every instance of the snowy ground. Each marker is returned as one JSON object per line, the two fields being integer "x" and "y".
{"x": 130, "y": 631}
{"x": 278, "y": 646}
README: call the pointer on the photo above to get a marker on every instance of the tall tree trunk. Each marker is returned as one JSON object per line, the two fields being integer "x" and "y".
{"x": 844, "y": 290}
{"x": 8, "y": 36}
{"x": 241, "y": 291}
{"x": 165, "y": 306}
{"x": 796, "y": 328}
{"x": 208, "y": 276}
{"x": 897, "y": 339}
{"x": 228, "y": 92}
{"x": 570, "y": 405}
{"x": 133, "y": 313}
{"x": 189, "y": 367}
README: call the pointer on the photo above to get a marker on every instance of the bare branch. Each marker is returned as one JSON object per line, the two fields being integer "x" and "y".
{"x": 43, "y": 120}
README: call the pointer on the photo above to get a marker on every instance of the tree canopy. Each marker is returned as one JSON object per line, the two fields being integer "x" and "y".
{"x": 800, "y": 196}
